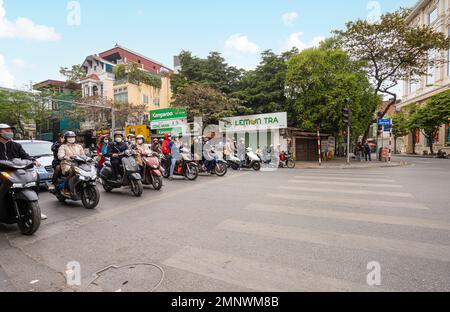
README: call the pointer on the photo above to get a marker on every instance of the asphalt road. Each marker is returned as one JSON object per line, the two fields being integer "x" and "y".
{"x": 289, "y": 230}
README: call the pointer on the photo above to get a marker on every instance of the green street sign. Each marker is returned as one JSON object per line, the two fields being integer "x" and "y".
{"x": 168, "y": 113}
{"x": 175, "y": 131}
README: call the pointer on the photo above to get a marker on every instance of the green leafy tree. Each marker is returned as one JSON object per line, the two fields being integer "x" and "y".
{"x": 319, "y": 82}
{"x": 430, "y": 117}
{"x": 263, "y": 90}
{"x": 392, "y": 51}
{"x": 73, "y": 74}
{"x": 212, "y": 71}
{"x": 399, "y": 127}
{"x": 207, "y": 102}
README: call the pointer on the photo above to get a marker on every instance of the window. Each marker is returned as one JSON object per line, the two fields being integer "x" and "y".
{"x": 413, "y": 86}
{"x": 121, "y": 95}
{"x": 433, "y": 16}
{"x": 145, "y": 99}
{"x": 431, "y": 75}
{"x": 157, "y": 102}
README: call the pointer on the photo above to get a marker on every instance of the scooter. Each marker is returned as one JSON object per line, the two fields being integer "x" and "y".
{"x": 233, "y": 162}
{"x": 18, "y": 195}
{"x": 151, "y": 173}
{"x": 185, "y": 167}
{"x": 442, "y": 155}
{"x": 286, "y": 161}
{"x": 252, "y": 160}
{"x": 130, "y": 172}
{"x": 220, "y": 166}
{"x": 82, "y": 186}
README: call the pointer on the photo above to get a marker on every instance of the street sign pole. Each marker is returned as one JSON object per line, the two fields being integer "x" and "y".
{"x": 390, "y": 144}
{"x": 319, "y": 146}
{"x": 348, "y": 144}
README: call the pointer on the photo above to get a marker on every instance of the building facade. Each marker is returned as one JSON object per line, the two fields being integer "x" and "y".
{"x": 435, "y": 13}
{"x": 100, "y": 79}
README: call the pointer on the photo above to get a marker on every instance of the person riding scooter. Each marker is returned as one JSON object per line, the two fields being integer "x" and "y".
{"x": 56, "y": 163}
{"x": 114, "y": 149}
{"x": 209, "y": 159}
{"x": 65, "y": 153}
{"x": 131, "y": 140}
{"x": 141, "y": 149}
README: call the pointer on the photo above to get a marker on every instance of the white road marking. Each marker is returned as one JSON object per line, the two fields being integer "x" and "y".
{"x": 351, "y": 201}
{"x": 349, "y": 179}
{"x": 256, "y": 275}
{"x": 334, "y": 239}
{"x": 347, "y": 191}
{"x": 346, "y": 183}
{"x": 352, "y": 216}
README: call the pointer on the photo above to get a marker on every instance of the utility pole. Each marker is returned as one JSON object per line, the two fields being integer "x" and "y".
{"x": 347, "y": 121}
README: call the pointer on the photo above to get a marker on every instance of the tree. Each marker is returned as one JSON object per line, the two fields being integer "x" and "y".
{"x": 399, "y": 127}
{"x": 212, "y": 71}
{"x": 263, "y": 90}
{"x": 73, "y": 74}
{"x": 23, "y": 109}
{"x": 207, "y": 102}
{"x": 319, "y": 81}
{"x": 430, "y": 117}
{"x": 133, "y": 74}
{"x": 393, "y": 51}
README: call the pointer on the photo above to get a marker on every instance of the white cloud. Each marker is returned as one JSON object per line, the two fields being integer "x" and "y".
{"x": 294, "y": 40}
{"x": 241, "y": 44}
{"x": 289, "y": 18}
{"x": 6, "y": 79}
{"x": 24, "y": 28}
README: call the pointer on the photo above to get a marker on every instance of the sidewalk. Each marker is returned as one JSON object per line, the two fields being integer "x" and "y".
{"x": 416, "y": 156}
{"x": 341, "y": 163}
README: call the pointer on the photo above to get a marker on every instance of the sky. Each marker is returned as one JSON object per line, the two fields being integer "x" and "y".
{"x": 38, "y": 37}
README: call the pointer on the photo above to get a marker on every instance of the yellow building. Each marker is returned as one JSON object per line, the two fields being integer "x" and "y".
{"x": 100, "y": 80}
{"x": 435, "y": 13}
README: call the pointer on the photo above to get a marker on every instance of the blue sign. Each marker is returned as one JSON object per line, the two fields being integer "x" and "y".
{"x": 387, "y": 122}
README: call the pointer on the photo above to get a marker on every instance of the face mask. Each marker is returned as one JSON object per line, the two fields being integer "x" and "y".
{"x": 71, "y": 140}
{"x": 119, "y": 140}
{"x": 106, "y": 141}
{"x": 8, "y": 136}
{"x": 140, "y": 142}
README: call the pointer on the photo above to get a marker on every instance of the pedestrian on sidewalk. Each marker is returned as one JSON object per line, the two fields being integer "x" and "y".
{"x": 359, "y": 151}
{"x": 367, "y": 152}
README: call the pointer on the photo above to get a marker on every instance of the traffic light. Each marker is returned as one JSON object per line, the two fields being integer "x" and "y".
{"x": 347, "y": 116}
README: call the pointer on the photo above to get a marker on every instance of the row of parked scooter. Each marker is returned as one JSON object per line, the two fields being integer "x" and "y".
{"x": 22, "y": 200}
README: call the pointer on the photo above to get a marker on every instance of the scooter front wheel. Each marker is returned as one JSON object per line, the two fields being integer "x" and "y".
{"x": 137, "y": 188}
{"x": 221, "y": 169}
{"x": 256, "y": 166}
{"x": 191, "y": 172}
{"x": 29, "y": 220}
{"x": 90, "y": 197}
{"x": 157, "y": 182}
{"x": 291, "y": 164}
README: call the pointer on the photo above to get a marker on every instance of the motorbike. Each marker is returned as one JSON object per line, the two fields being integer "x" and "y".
{"x": 82, "y": 186}
{"x": 220, "y": 167}
{"x": 252, "y": 160}
{"x": 130, "y": 174}
{"x": 286, "y": 161}
{"x": 18, "y": 195}
{"x": 186, "y": 167}
{"x": 233, "y": 162}
{"x": 151, "y": 173}
{"x": 442, "y": 155}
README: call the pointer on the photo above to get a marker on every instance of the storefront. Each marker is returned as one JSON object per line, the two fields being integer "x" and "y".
{"x": 257, "y": 130}
{"x": 305, "y": 145}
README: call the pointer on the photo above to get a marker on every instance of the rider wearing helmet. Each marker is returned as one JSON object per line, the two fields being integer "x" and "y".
{"x": 113, "y": 151}
{"x": 142, "y": 149}
{"x": 156, "y": 147}
{"x": 65, "y": 153}
{"x": 9, "y": 149}
{"x": 131, "y": 140}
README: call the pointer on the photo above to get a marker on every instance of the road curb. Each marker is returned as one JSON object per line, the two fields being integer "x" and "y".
{"x": 345, "y": 166}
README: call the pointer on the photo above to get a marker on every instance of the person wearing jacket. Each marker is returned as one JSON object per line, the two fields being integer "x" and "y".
{"x": 208, "y": 156}
{"x": 175, "y": 153}
{"x": 113, "y": 151}
{"x": 56, "y": 163}
{"x": 102, "y": 150}
{"x": 241, "y": 150}
{"x": 166, "y": 144}
{"x": 65, "y": 153}
{"x": 142, "y": 149}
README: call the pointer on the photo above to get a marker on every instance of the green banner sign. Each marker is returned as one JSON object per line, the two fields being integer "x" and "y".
{"x": 168, "y": 113}
{"x": 173, "y": 131}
